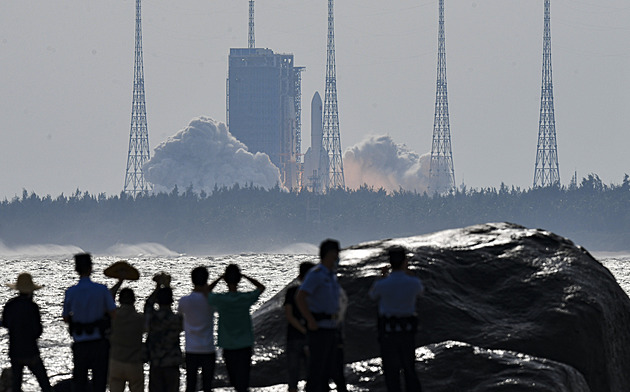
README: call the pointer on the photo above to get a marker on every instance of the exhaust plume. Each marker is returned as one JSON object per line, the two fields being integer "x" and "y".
{"x": 379, "y": 162}
{"x": 205, "y": 154}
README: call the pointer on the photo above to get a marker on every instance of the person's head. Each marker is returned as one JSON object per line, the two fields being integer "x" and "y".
{"x": 304, "y": 268}
{"x": 127, "y": 296}
{"x": 232, "y": 274}
{"x": 397, "y": 257}
{"x": 24, "y": 284}
{"x": 83, "y": 264}
{"x": 199, "y": 276}
{"x": 329, "y": 250}
{"x": 164, "y": 296}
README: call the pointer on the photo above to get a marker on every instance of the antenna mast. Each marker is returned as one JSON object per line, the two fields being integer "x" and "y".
{"x": 251, "y": 40}
{"x": 330, "y": 163}
{"x": 547, "y": 171}
{"x": 441, "y": 172}
{"x": 139, "y": 152}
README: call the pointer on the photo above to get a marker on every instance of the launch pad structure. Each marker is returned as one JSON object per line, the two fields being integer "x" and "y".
{"x": 139, "y": 152}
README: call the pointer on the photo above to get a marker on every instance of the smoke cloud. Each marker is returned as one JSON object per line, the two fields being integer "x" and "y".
{"x": 205, "y": 154}
{"x": 379, "y": 162}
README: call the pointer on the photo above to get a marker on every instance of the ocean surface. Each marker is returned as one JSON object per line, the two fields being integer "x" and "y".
{"x": 57, "y": 273}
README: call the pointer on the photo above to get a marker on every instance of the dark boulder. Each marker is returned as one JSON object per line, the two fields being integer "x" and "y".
{"x": 495, "y": 286}
{"x": 455, "y": 366}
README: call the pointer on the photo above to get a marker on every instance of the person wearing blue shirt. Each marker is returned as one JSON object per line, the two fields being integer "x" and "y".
{"x": 318, "y": 301}
{"x": 397, "y": 322}
{"x": 88, "y": 308}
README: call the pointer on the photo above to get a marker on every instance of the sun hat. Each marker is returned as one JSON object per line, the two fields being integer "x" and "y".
{"x": 24, "y": 284}
{"x": 122, "y": 270}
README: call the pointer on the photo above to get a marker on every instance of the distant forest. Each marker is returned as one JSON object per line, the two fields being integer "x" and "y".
{"x": 244, "y": 219}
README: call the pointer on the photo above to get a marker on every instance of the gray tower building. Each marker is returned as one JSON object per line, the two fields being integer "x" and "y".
{"x": 262, "y": 101}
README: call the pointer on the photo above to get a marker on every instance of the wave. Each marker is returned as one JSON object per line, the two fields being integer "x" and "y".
{"x": 142, "y": 249}
{"x": 38, "y": 250}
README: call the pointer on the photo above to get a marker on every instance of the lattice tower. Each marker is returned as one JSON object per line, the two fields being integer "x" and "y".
{"x": 139, "y": 152}
{"x": 251, "y": 41}
{"x": 547, "y": 171}
{"x": 441, "y": 171}
{"x": 331, "y": 163}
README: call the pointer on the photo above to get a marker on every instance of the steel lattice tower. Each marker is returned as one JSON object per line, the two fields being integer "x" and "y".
{"x": 441, "y": 171}
{"x": 331, "y": 163}
{"x": 139, "y": 152}
{"x": 251, "y": 41}
{"x": 547, "y": 172}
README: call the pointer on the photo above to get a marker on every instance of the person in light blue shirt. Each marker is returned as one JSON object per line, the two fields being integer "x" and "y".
{"x": 397, "y": 323}
{"x": 88, "y": 308}
{"x": 318, "y": 301}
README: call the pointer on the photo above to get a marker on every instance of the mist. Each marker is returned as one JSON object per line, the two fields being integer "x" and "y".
{"x": 205, "y": 155}
{"x": 381, "y": 163}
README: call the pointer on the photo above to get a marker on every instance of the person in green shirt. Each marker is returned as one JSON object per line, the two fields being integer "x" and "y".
{"x": 236, "y": 333}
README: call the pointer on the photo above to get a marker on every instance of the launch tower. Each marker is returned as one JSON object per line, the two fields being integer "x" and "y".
{"x": 441, "y": 172}
{"x": 546, "y": 171}
{"x": 139, "y": 153}
{"x": 331, "y": 164}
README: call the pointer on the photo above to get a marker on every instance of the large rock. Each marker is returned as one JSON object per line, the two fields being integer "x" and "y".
{"x": 494, "y": 286}
{"x": 455, "y": 366}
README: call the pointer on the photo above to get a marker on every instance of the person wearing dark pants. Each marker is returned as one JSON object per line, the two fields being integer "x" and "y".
{"x": 199, "y": 332}
{"x": 296, "y": 348}
{"x": 318, "y": 301}
{"x": 88, "y": 308}
{"x": 236, "y": 333}
{"x": 22, "y": 318}
{"x": 397, "y": 322}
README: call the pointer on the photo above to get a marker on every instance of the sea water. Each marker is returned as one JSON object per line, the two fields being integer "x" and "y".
{"x": 275, "y": 271}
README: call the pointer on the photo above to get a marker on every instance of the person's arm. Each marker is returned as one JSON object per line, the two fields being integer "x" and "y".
{"x": 214, "y": 284}
{"x": 300, "y": 301}
{"x": 259, "y": 286}
{"x": 289, "y": 303}
{"x": 115, "y": 288}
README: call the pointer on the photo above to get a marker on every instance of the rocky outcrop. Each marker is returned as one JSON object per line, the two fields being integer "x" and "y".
{"x": 455, "y": 366}
{"x": 493, "y": 286}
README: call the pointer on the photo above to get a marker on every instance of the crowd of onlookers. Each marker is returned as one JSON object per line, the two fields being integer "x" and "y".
{"x": 109, "y": 340}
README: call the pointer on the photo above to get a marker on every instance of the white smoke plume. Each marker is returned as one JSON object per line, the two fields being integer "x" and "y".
{"x": 379, "y": 162}
{"x": 205, "y": 154}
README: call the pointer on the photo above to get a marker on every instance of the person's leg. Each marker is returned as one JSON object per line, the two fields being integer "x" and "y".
{"x": 171, "y": 378}
{"x": 407, "y": 348}
{"x": 391, "y": 363}
{"x": 295, "y": 352}
{"x": 238, "y": 363}
{"x": 17, "y": 372}
{"x": 116, "y": 376}
{"x": 338, "y": 375}
{"x": 207, "y": 370}
{"x": 321, "y": 344}
{"x": 156, "y": 383}
{"x": 135, "y": 377}
{"x": 81, "y": 363}
{"x": 100, "y": 356}
{"x": 36, "y": 366}
{"x": 192, "y": 366}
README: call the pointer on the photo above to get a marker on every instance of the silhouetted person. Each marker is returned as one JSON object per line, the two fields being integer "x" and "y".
{"x": 88, "y": 309}
{"x": 22, "y": 318}
{"x": 318, "y": 301}
{"x": 296, "y": 349}
{"x": 164, "y": 328}
{"x": 398, "y": 322}
{"x": 236, "y": 333}
{"x": 126, "y": 352}
{"x": 199, "y": 332}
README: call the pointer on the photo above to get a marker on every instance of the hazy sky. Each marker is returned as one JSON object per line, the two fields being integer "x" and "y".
{"x": 66, "y": 71}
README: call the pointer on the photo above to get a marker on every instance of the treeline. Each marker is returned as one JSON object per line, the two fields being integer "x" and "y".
{"x": 248, "y": 218}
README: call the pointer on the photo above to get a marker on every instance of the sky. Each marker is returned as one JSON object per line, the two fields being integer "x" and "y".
{"x": 66, "y": 74}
